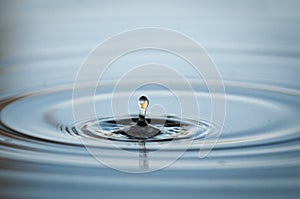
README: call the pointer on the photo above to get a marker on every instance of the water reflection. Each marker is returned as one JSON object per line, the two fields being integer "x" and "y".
{"x": 143, "y": 156}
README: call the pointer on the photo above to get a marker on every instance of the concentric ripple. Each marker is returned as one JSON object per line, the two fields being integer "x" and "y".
{"x": 171, "y": 128}
{"x": 267, "y": 130}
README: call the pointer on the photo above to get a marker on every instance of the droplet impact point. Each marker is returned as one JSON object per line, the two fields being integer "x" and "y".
{"x": 142, "y": 129}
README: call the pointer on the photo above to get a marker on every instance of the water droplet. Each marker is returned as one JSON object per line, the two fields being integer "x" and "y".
{"x": 142, "y": 129}
{"x": 143, "y": 104}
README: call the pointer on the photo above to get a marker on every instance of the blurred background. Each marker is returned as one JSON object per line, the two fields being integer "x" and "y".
{"x": 43, "y": 43}
{"x": 238, "y": 35}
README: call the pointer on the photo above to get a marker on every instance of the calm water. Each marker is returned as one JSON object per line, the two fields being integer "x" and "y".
{"x": 255, "y": 45}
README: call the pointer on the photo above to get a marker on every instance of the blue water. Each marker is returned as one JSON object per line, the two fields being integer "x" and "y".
{"x": 254, "y": 44}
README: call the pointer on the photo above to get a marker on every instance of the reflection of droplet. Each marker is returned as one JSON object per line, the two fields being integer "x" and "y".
{"x": 143, "y": 156}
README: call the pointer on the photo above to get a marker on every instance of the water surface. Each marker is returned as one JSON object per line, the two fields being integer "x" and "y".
{"x": 256, "y": 48}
